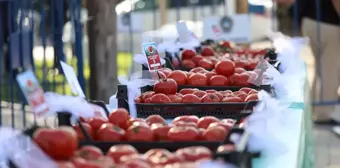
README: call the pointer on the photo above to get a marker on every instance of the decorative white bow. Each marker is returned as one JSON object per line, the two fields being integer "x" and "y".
{"x": 264, "y": 124}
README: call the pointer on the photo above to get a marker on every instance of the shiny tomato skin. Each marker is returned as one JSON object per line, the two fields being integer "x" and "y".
{"x": 246, "y": 89}
{"x": 197, "y": 69}
{"x": 215, "y": 133}
{"x": 109, "y": 132}
{"x": 190, "y": 98}
{"x": 160, "y": 98}
{"x": 117, "y": 151}
{"x": 160, "y": 131}
{"x": 177, "y": 133}
{"x": 88, "y": 129}
{"x": 137, "y": 100}
{"x": 229, "y": 121}
{"x": 239, "y": 70}
{"x": 97, "y": 122}
{"x": 207, "y": 51}
{"x": 233, "y": 79}
{"x": 175, "y": 98}
{"x": 188, "y": 64}
{"x": 187, "y": 91}
{"x": 252, "y": 97}
{"x": 232, "y": 99}
{"x": 185, "y": 124}
{"x": 211, "y": 91}
{"x": 240, "y": 64}
{"x": 188, "y": 54}
{"x": 120, "y": 117}
{"x": 206, "y": 64}
{"x": 219, "y": 95}
{"x": 200, "y": 93}
{"x": 166, "y": 71}
{"x": 139, "y": 133}
{"x": 225, "y": 68}
{"x": 226, "y": 126}
{"x": 180, "y": 77}
{"x": 198, "y": 80}
{"x": 134, "y": 120}
{"x": 126, "y": 158}
{"x": 59, "y": 143}
{"x": 158, "y": 75}
{"x": 186, "y": 118}
{"x": 165, "y": 86}
{"x": 135, "y": 163}
{"x": 204, "y": 122}
{"x": 226, "y": 148}
{"x": 209, "y": 74}
{"x": 146, "y": 95}
{"x": 155, "y": 119}
{"x": 89, "y": 152}
{"x": 210, "y": 98}
{"x": 161, "y": 157}
{"x": 194, "y": 153}
{"x": 218, "y": 80}
{"x": 196, "y": 59}
{"x": 65, "y": 164}
{"x": 243, "y": 96}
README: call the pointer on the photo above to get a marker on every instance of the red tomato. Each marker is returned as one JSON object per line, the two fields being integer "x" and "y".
{"x": 89, "y": 152}
{"x": 211, "y": 91}
{"x": 252, "y": 97}
{"x": 209, "y": 74}
{"x": 232, "y": 99}
{"x": 188, "y": 64}
{"x": 133, "y": 120}
{"x": 226, "y": 148}
{"x": 109, "y": 132}
{"x": 229, "y": 121}
{"x": 97, "y": 122}
{"x": 233, "y": 79}
{"x": 194, "y": 153}
{"x": 166, "y": 86}
{"x": 197, "y": 69}
{"x": 207, "y": 51}
{"x": 201, "y": 131}
{"x": 135, "y": 163}
{"x": 219, "y": 95}
{"x": 137, "y": 100}
{"x": 158, "y": 75}
{"x": 186, "y": 118}
{"x": 218, "y": 80}
{"x": 65, "y": 164}
{"x": 146, "y": 95}
{"x": 206, "y": 64}
{"x": 215, "y": 133}
{"x": 246, "y": 89}
{"x": 226, "y": 126}
{"x": 240, "y": 64}
{"x": 59, "y": 143}
{"x": 200, "y": 93}
{"x": 243, "y": 79}
{"x": 155, "y": 119}
{"x": 243, "y": 96}
{"x": 160, "y": 98}
{"x": 120, "y": 117}
{"x": 161, "y": 157}
{"x": 166, "y": 71}
{"x": 252, "y": 65}
{"x": 117, "y": 151}
{"x": 198, "y": 80}
{"x": 185, "y": 124}
{"x": 187, "y": 91}
{"x": 188, "y": 54}
{"x": 88, "y": 129}
{"x": 225, "y": 68}
{"x": 239, "y": 70}
{"x": 139, "y": 133}
{"x": 175, "y": 98}
{"x": 196, "y": 59}
{"x": 179, "y": 76}
{"x": 210, "y": 97}
{"x": 204, "y": 122}
{"x": 160, "y": 131}
{"x": 191, "y": 98}
{"x": 253, "y": 91}
{"x": 226, "y": 44}
{"x": 126, "y": 158}
{"x": 177, "y": 133}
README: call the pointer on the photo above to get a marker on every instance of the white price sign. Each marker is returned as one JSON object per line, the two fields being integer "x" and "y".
{"x": 72, "y": 79}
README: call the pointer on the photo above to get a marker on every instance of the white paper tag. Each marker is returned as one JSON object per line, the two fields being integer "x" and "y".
{"x": 184, "y": 33}
{"x": 153, "y": 59}
{"x": 235, "y": 28}
{"x": 72, "y": 80}
{"x": 33, "y": 92}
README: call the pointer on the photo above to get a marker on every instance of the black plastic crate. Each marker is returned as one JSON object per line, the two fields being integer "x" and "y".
{"x": 237, "y": 110}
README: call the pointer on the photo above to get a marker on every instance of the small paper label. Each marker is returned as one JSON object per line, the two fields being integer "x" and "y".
{"x": 152, "y": 56}
{"x": 33, "y": 92}
{"x": 72, "y": 79}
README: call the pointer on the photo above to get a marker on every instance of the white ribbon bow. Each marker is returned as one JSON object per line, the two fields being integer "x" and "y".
{"x": 133, "y": 86}
{"x": 22, "y": 151}
{"x": 264, "y": 124}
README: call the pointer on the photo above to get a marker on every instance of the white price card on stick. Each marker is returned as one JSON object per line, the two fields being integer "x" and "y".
{"x": 72, "y": 79}
{"x": 149, "y": 50}
{"x": 184, "y": 33}
{"x": 33, "y": 92}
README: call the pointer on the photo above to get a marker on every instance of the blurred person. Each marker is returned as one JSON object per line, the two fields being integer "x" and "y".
{"x": 326, "y": 49}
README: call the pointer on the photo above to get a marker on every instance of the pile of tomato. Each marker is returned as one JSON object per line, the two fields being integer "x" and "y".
{"x": 61, "y": 143}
